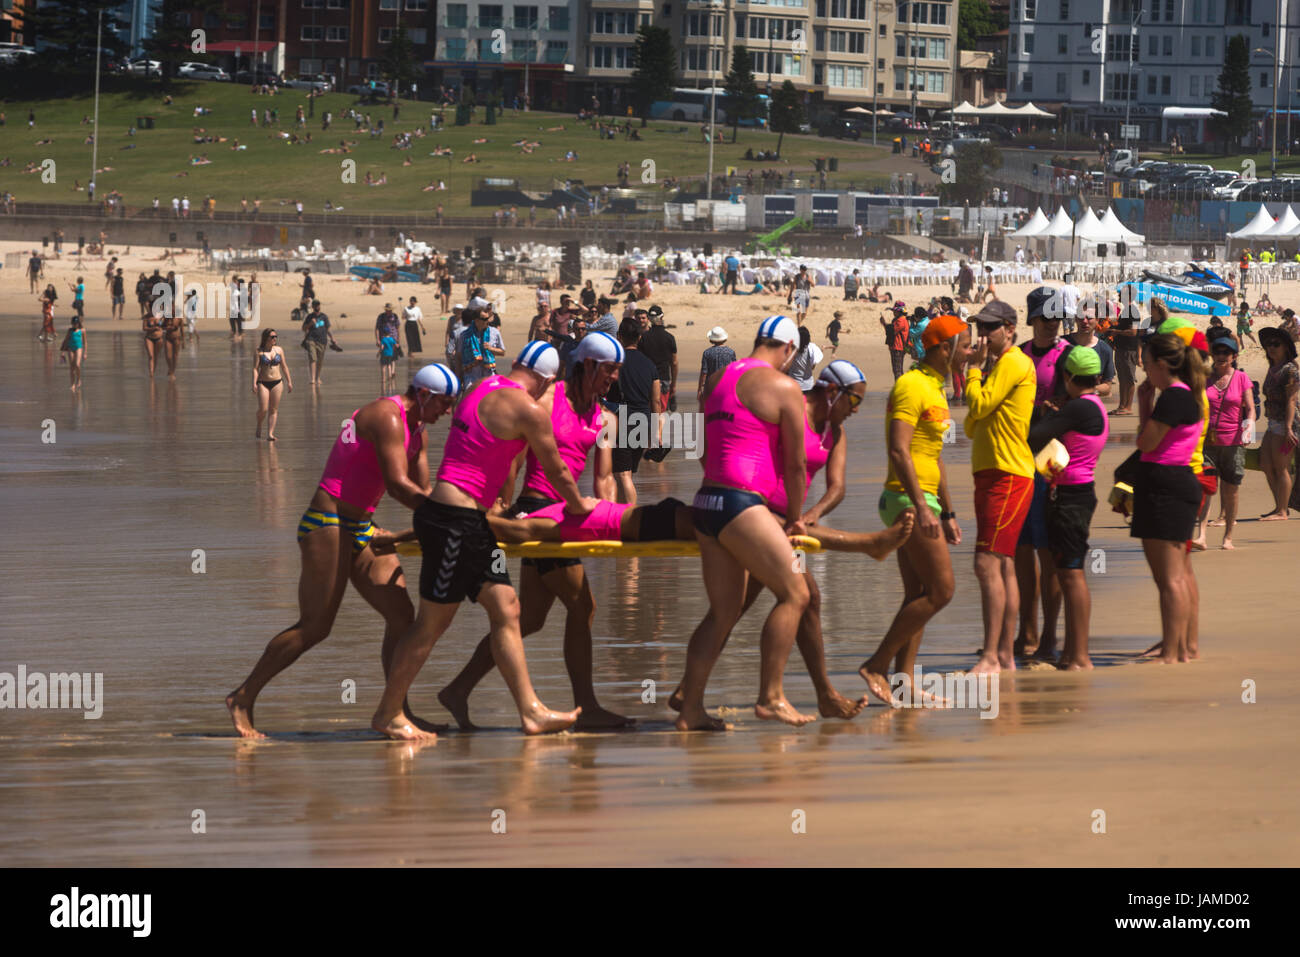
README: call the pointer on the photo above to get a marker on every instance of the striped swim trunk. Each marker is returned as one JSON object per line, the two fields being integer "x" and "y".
{"x": 361, "y": 530}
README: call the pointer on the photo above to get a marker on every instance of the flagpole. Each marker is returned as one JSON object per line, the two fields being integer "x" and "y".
{"x": 94, "y": 137}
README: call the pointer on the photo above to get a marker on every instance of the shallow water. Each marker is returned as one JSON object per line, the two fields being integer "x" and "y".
{"x": 104, "y": 523}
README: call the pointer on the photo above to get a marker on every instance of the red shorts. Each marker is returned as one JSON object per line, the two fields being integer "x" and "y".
{"x": 1209, "y": 485}
{"x": 1001, "y": 506}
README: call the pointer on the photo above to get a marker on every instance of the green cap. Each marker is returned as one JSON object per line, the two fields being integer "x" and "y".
{"x": 1172, "y": 325}
{"x": 1083, "y": 360}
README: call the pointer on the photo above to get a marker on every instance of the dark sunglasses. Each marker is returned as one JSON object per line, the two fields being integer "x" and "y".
{"x": 855, "y": 400}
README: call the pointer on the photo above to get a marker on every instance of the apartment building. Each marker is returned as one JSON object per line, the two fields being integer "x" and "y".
{"x": 837, "y": 52}
{"x": 1100, "y": 61}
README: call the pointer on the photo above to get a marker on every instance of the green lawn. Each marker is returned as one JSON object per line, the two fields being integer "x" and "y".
{"x": 159, "y": 162}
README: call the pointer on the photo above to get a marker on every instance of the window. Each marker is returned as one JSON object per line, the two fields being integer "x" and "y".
{"x": 387, "y": 4}
{"x": 617, "y": 58}
{"x": 1209, "y": 46}
{"x": 880, "y": 30}
{"x": 1153, "y": 45}
{"x": 457, "y": 15}
{"x": 1195, "y": 87}
{"x": 486, "y": 53}
{"x": 1168, "y": 45}
{"x": 1031, "y": 9}
{"x": 819, "y": 40}
{"x": 1065, "y": 10}
{"x": 1263, "y": 81}
{"x": 819, "y": 74}
{"x": 419, "y": 35}
{"x": 557, "y": 51}
{"x": 310, "y": 32}
{"x": 1087, "y": 78}
{"x": 1151, "y": 86}
{"x": 336, "y": 5}
{"x": 1266, "y": 29}
{"x": 1169, "y": 11}
{"x": 412, "y": 5}
{"x": 1196, "y": 11}
{"x": 1060, "y": 82}
{"x": 1027, "y": 83}
{"x": 1196, "y": 46}
{"x": 489, "y": 15}
{"x": 1015, "y": 43}
{"x": 372, "y": 70}
{"x": 523, "y": 51}
{"x": 313, "y": 4}
{"x": 211, "y": 21}
{"x": 619, "y": 21}
{"x": 1029, "y": 43}
{"x": 1166, "y": 84}
{"x": 455, "y": 48}
{"x": 843, "y": 41}
{"x": 267, "y": 21}
{"x": 386, "y": 34}
{"x": 336, "y": 34}
{"x": 557, "y": 18}
{"x": 525, "y": 18}
{"x": 1210, "y": 12}
{"x": 1061, "y": 43}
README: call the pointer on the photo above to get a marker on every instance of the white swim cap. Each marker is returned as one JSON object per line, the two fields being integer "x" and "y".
{"x": 842, "y": 373}
{"x": 436, "y": 378}
{"x": 600, "y": 346}
{"x": 781, "y": 328}
{"x": 541, "y": 357}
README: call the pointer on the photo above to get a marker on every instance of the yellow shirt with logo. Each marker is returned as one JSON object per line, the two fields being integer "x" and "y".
{"x": 997, "y": 414}
{"x": 918, "y": 399}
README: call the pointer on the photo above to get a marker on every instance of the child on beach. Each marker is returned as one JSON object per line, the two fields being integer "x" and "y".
{"x": 388, "y": 360}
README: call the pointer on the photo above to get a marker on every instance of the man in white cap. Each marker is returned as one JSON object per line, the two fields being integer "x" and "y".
{"x": 717, "y": 356}
{"x": 496, "y": 420}
{"x": 753, "y": 441}
{"x": 381, "y": 449}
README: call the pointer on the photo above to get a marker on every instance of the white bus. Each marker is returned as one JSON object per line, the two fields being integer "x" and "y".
{"x": 689, "y": 105}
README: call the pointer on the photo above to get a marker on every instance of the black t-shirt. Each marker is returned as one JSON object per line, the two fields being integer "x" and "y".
{"x": 118, "y": 286}
{"x": 1176, "y": 407}
{"x": 1125, "y": 343}
{"x": 833, "y": 330}
{"x": 588, "y": 297}
{"x": 1078, "y": 415}
{"x": 307, "y": 288}
{"x": 319, "y": 330}
{"x": 635, "y": 381}
{"x": 34, "y": 265}
{"x": 659, "y": 346}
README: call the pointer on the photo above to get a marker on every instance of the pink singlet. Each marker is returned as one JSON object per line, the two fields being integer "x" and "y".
{"x": 1084, "y": 449}
{"x": 474, "y": 460}
{"x": 1179, "y": 443}
{"x": 816, "y": 453}
{"x": 1045, "y": 367}
{"x": 575, "y": 436}
{"x": 603, "y": 524}
{"x": 740, "y": 449}
{"x": 352, "y": 474}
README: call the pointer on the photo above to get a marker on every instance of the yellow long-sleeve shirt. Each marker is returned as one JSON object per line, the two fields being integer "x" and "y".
{"x": 997, "y": 414}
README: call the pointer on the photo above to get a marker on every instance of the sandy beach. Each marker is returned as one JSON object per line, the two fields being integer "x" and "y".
{"x": 142, "y": 474}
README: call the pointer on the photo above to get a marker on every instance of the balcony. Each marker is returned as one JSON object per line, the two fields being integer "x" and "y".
{"x": 455, "y": 23}
{"x": 558, "y": 24}
{"x": 490, "y": 23}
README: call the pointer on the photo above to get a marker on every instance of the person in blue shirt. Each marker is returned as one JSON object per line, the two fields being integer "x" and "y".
{"x": 388, "y": 360}
{"x": 732, "y": 273}
{"x": 79, "y": 297}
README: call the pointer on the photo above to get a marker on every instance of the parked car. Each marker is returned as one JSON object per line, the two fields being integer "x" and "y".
{"x": 370, "y": 88}
{"x": 1232, "y": 190}
{"x": 258, "y": 77}
{"x": 995, "y": 131}
{"x": 840, "y": 129}
{"x": 202, "y": 71}
{"x": 319, "y": 82}
{"x": 144, "y": 67}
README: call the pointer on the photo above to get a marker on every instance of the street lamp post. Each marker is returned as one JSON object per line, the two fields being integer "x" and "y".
{"x": 713, "y": 99}
{"x": 1277, "y": 50}
{"x": 1128, "y": 93}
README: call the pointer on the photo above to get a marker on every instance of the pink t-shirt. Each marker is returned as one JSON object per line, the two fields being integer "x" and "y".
{"x": 1225, "y": 409}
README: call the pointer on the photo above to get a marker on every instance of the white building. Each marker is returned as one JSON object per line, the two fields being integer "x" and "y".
{"x": 1076, "y": 54}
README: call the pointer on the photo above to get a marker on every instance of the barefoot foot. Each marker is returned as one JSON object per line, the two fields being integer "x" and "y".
{"x": 242, "y": 716}
{"x": 458, "y": 706}
{"x": 878, "y": 685}
{"x": 987, "y": 665}
{"x": 832, "y": 704}
{"x": 883, "y": 543}
{"x": 1227, "y": 543}
{"x": 538, "y": 719}
{"x": 597, "y": 718}
{"x": 782, "y": 710}
{"x": 697, "y": 719}
{"x": 400, "y": 729}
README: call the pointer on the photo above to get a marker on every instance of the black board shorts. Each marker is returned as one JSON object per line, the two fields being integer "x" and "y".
{"x": 461, "y": 554}
{"x": 1069, "y": 520}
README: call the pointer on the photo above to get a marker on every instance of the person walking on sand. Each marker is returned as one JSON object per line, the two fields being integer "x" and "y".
{"x": 1232, "y": 428}
{"x": 75, "y": 348}
{"x": 381, "y": 449}
{"x": 270, "y": 371}
{"x": 800, "y": 294}
{"x": 496, "y": 420}
{"x": 1281, "y": 388}
{"x": 414, "y": 324}
{"x": 916, "y": 419}
{"x": 897, "y": 333}
{"x": 316, "y": 327}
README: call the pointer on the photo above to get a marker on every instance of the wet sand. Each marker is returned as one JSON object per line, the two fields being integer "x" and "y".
{"x": 104, "y": 521}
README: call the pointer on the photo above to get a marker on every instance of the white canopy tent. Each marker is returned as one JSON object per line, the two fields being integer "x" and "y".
{"x": 1037, "y": 223}
{"x": 1123, "y": 233}
{"x": 997, "y": 108}
{"x": 1089, "y": 229}
{"x": 1030, "y": 110}
{"x": 965, "y": 109}
{"x": 1286, "y": 227}
{"x": 859, "y": 111}
{"x": 1060, "y": 226}
{"x": 1260, "y": 223}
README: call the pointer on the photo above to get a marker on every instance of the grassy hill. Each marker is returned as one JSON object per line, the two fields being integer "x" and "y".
{"x": 157, "y": 162}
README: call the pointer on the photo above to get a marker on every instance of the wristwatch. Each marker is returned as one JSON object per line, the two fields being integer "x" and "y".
{"x": 944, "y": 516}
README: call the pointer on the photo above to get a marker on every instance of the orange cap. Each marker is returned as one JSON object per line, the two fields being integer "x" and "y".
{"x": 941, "y": 329}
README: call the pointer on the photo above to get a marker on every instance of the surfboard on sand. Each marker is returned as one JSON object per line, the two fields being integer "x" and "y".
{"x": 377, "y": 272}
{"x": 1178, "y": 300}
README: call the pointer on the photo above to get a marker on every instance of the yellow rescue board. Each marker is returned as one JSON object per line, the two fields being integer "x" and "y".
{"x": 663, "y": 549}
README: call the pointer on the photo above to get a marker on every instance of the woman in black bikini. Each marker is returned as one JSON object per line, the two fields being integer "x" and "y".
{"x": 152, "y": 326}
{"x": 269, "y": 370}
{"x": 172, "y": 323}
{"x": 444, "y": 288}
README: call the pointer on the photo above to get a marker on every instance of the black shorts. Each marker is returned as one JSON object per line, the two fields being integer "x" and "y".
{"x": 460, "y": 553}
{"x": 659, "y": 521}
{"x": 1069, "y": 519}
{"x": 525, "y": 505}
{"x": 1166, "y": 499}
{"x": 626, "y": 460}
{"x": 714, "y": 507}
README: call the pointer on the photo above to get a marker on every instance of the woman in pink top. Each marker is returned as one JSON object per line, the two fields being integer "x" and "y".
{"x": 751, "y": 409}
{"x": 578, "y": 420}
{"x": 834, "y": 397}
{"x": 381, "y": 448}
{"x": 1166, "y": 493}
{"x": 495, "y": 420}
{"x": 1232, "y": 428}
